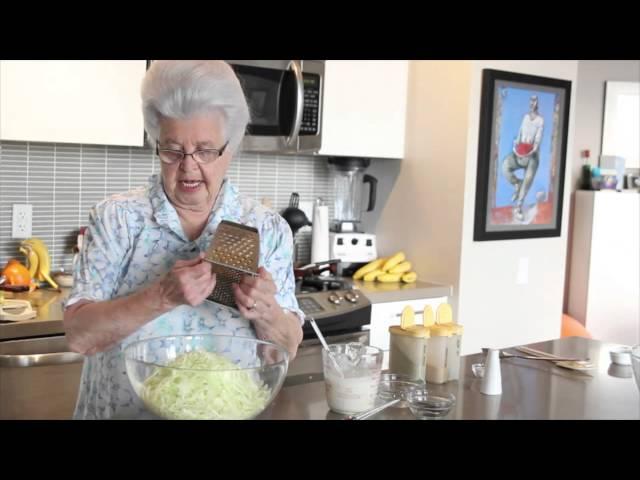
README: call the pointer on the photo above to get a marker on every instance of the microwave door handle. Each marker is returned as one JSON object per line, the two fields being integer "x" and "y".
{"x": 297, "y": 71}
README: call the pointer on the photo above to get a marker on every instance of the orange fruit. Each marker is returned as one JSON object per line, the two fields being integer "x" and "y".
{"x": 17, "y": 274}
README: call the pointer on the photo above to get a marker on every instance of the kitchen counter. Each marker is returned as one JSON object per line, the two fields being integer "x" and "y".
{"x": 49, "y": 314}
{"x": 378, "y": 292}
{"x": 531, "y": 390}
{"x": 48, "y": 305}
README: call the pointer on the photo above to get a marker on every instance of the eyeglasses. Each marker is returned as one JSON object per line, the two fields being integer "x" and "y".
{"x": 204, "y": 156}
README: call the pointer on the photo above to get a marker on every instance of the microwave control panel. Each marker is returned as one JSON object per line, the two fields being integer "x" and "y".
{"x": 311, "y": 109}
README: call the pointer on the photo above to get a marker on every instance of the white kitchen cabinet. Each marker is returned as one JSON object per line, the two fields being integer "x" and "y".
{"x": 81, "y": 101}
{"x": 364, "y": 108}
{"x": 605, "y": 265}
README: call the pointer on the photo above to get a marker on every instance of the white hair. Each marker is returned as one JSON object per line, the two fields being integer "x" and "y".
{"x": 184, "y": 88}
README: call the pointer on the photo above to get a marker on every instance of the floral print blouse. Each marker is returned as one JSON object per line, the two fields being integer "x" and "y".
{"x": 132, "y": 240}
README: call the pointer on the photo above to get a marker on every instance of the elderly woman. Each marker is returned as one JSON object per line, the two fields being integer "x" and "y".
{"x": 141, "y": 272}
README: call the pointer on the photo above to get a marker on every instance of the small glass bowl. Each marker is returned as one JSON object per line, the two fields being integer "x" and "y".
{"x": 621, "y": 356}
{"x": 478, "y": 370}
{"x": 620, "y": 371}
{"x": 635, "y": 363}
{"x": 393, "y": 386}
{"x": 424, "y": 404}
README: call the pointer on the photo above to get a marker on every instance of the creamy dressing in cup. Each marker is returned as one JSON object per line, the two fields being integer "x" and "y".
{"x": 355, "y": 388}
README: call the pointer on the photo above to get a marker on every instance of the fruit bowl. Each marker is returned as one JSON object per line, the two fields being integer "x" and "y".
{"x": 206, "y": 377}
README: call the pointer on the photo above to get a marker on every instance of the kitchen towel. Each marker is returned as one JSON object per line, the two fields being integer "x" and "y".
{"x": 320, "y": 234}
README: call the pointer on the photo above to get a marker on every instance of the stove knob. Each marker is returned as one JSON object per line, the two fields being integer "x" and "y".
{"x": 353, "y": 298}
{"x": 334, "y": 299}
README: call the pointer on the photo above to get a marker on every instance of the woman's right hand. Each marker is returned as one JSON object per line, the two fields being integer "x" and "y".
{"x": 189, "y": 282}
{"x": 92, "y": 327}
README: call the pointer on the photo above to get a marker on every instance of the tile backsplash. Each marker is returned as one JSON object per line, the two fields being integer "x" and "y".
{"x": 63, "y": 181}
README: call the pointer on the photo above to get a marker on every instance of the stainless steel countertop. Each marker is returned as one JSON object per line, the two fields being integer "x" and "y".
{"x": 49, "y": 314}
{"x": 378, "y": 292}
{"x": 48, "y": 305}
{"x": 530, "y": 389}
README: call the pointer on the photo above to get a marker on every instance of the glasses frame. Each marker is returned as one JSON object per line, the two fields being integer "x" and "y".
{"x": 219, "y": 151}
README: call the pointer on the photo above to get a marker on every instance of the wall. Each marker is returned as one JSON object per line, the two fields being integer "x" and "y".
{"x": 590, "y": 96}
{"x": 432, "y": 210}
{"x": 63, "y": 181}
{"x": 386, "y": 171}
{"x": 592, "y": 75}
{"x": 495, "y": 311}
{"x": 423, "y": 215}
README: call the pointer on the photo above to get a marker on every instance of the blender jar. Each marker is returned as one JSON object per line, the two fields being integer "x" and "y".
{"x": 348, "y": 180}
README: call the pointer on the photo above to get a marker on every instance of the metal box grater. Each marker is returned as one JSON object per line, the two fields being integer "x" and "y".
{"x": 234, "y": 253}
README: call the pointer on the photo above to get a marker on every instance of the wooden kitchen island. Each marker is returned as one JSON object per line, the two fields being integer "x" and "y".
{"x": 531, "y": 390}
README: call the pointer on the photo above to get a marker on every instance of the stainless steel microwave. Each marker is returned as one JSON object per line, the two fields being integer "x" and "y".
{"x": 285, "y": 102}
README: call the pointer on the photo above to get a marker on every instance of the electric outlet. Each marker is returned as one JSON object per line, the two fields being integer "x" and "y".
{"x": 21, "y": 227}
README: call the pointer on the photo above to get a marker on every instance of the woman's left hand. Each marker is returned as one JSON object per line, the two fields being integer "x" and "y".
{"x": 256, "y": 301}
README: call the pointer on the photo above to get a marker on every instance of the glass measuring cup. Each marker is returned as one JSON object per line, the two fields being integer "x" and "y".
{"x": 354, "y": 389}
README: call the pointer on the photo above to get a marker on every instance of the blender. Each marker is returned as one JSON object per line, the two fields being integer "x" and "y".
{"x": 347, "y": 240}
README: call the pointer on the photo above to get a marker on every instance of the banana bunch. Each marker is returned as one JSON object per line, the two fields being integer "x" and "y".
{"x": 39, "y": 261}
{"x": 387, "y": 270}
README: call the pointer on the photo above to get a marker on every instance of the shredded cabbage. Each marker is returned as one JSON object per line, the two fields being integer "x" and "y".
{"x": 206, "y": 392}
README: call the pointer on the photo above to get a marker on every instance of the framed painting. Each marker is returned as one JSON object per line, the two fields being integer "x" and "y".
{"x": 521, "y": 156}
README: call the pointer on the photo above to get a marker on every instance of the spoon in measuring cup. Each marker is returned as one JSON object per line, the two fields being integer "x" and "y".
{"x": 325, "y": 346}
{"x": 373, "y": 411}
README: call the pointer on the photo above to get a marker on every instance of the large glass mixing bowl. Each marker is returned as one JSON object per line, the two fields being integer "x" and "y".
{"x": 206, "y": 377}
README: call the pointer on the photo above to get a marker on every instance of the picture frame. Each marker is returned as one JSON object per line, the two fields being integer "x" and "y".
{"x": 522, "y": 153}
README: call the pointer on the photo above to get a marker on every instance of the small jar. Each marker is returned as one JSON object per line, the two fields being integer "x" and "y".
{"x": 437, "y": 368}
{"x": 445, "y": 318}
{"x": 453, "y": 350}
{"x": 408, "y": 351}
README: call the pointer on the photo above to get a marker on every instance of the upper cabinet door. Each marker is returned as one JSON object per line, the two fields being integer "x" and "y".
{"x": 82, "y": 101}
{"x": 364, "y": 108}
